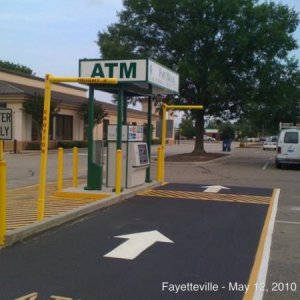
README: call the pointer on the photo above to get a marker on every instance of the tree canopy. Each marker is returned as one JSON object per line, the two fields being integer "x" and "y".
{"x": 232, "y": 56}
{"x": 99, "y": 112}
{"x": 15, "y": 67}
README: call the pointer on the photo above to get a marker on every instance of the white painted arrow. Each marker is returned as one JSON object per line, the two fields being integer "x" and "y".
{"x": 214, "y": 188}
{"x": 136, "y": 244}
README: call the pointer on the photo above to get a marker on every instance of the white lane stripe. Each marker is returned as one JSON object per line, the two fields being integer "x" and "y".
{"x": 288, "y": 222}
{"x": 267, "y": 163}
{"x": 262, "y": 275}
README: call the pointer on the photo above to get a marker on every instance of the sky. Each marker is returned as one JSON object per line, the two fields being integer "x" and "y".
{"x": 50, "y": 36}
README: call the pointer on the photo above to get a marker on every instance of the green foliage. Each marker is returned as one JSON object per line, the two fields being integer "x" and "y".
{"x": 227, "y": 131}
{"x": 72, "y": 144}
{"x": 15, "y": 67}
{"x": 35, "y": 107}
{"x": 186, "y": 128}
{"x": 99, "y": 113}
{"x": 232, "y": 56}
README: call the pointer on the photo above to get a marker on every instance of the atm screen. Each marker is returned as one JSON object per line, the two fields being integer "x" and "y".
{"x": 143, "y": 154}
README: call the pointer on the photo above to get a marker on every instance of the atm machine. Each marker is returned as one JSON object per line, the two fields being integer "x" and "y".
{"x": 135, "y": 158}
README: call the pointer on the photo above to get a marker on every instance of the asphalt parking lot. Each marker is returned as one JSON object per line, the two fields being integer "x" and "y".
{"x": 249, "y": 167}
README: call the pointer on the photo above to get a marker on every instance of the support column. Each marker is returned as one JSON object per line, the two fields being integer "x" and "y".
{"x": 118, "y": 178}
{"x": 124, "y": 122}
{"x": 149, "y": 136}
{"x": 94, "y": 175}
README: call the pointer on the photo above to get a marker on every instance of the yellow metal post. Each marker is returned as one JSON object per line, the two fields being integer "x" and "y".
{"x": 163, "y": 142}
{"x": 158, "y": 167}
{"x": 60, "y": 169}
{"x": 2, "y": 196}
{"x": 2, "y": 201}
{"x": 75, "y": 167}
{"x": 85, "y": 80}
{"x": 1, "y": 150}
{"x": 179, "y": 107}
{"x": 118, "y": 178}
{"x": 166, "y": 107}
{"x": 44, "y": 149}
{"x": 45, "y": 129}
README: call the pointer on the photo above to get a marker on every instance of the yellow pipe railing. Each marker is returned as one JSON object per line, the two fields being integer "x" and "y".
{"x": 45, "y": 129}
{"x": 2, "y": 196}
{"x": 166, "y": 107}
{"x": 75, "y": 167}
{"x": 158, "y": 167}
{"x": 60, "y": 169}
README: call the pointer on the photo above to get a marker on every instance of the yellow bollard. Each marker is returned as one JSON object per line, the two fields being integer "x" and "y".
{"x": 1, "y": 150}
{"x": 60, "y": 169}
{"x": 158, "y": 166}
{"x": 75, "y": 167}
{"x": 2, "y": 201}
{"x": 162, "y": 165}
{"x": 118, "y": 179}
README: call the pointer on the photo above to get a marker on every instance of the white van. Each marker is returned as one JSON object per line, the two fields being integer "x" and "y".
{"x": 288, "y": 147}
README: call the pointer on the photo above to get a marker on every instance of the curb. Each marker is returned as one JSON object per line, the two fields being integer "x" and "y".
{"x": 27, "y": 231}
{"x": 197, "y": 163}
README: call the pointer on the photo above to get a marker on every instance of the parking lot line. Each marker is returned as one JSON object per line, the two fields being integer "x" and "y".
{"x": 288, "y": 222}
{"x": 258, "y": 274}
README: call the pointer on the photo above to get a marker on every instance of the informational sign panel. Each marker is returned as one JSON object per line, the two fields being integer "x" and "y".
{"x": 5, "y": 124}
{"x": 131, "y": 133}
{"x": 162, "y": 76}
{"x": 135, "y": 133}
{"x": 170, "y": 128}
{"x": 112, "y": 133}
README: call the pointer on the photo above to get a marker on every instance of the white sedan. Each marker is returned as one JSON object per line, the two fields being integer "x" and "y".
{"x": 208, "y": 138}
{"x": 270, "y": 143}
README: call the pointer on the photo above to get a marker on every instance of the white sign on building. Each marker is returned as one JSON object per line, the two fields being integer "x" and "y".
{"x": 162, "y": 77}
{"x": 5, "y": 124}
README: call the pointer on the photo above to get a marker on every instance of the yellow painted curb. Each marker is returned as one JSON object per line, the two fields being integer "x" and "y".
{"x": 253, "y": 283}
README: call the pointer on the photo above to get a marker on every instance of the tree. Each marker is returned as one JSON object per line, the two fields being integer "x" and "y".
{"x": 187, "y": 128}
{"x": 227, "y": 131}
{"x": 35, "y": 107}
{"x": 99, "y": 113}
{"x": 232, "y": 56}
{"x": 15, "y": 67}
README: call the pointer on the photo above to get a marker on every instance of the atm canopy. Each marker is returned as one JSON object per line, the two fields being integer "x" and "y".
{"x": 137, "y": 76}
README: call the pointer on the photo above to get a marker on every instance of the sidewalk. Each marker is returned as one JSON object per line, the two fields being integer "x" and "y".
{"x": 21, "y": 216}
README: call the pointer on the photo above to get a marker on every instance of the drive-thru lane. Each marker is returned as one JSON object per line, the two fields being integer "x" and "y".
{"x": 189, "y": 242}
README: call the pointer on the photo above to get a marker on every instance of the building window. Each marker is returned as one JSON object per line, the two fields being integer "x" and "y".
{"x": 3, "y": 105}
{"x": 64, "y": 127}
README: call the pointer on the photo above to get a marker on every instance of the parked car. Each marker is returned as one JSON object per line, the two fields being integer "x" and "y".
{"x": 208, "y": 138}
{"x": 252, "y": 139}
{"x": 270, "y": 143}
{"x": 288, "y": 147}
